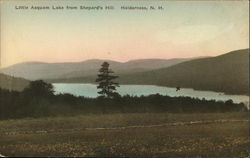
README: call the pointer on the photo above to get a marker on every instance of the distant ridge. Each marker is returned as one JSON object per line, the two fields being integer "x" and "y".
{"x": 41, "y": 70}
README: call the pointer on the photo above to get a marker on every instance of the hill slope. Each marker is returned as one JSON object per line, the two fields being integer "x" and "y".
{"x": 12, "y": 83}
{"x": 226, "y": 73}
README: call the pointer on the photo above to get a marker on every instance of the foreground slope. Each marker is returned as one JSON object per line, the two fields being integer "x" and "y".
{"x": 158, "y": 135}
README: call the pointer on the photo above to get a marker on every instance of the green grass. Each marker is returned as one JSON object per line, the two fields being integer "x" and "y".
{"x": 68, "y": 136}
{"x": 109, "y": 120}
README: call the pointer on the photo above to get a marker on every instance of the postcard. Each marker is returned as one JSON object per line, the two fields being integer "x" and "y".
{"x": 123, "y": 78}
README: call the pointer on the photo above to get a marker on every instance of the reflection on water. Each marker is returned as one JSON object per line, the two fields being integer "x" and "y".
{"x": 90, "y": 90}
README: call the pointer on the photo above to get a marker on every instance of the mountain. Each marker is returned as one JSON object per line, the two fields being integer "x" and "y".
{"x": 132, "y": 66}
{"x": 12, "y": 83}
{"x": 227, "y": 73}
{"x": 39, "y": 70}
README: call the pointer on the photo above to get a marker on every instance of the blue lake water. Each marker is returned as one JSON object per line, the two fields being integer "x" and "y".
{"x": 90, "y": 90}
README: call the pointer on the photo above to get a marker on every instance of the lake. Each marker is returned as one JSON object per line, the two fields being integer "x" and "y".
{"x": 90, "y": 90}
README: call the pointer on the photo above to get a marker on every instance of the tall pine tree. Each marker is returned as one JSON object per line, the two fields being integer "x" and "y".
{"x": 106, "y": 83}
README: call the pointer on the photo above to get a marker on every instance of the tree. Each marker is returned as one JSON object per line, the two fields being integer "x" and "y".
{"x": 39, "y": 88}
{"x": 106, "y": 83}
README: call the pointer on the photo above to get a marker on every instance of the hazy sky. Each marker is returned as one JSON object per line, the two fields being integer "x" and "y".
{"x": 182, "y": 29}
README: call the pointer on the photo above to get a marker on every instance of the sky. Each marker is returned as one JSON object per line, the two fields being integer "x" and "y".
{"x": 182, "y": 29}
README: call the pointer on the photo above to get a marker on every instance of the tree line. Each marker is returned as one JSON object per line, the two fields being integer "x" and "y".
{"x": 36, "y": 101}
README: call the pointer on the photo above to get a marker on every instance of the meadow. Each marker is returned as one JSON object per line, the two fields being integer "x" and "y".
{"x": 36, "y": 122}
{"x": 128, "y": 134}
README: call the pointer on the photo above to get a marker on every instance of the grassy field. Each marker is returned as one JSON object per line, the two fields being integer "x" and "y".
{"x": 178, "y": 135}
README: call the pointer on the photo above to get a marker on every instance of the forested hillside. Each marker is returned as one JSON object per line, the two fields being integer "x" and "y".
{"x": 12, "y": 83}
